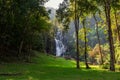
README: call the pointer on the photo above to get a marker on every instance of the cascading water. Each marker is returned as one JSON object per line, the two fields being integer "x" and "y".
{"x": 60, "y": 48}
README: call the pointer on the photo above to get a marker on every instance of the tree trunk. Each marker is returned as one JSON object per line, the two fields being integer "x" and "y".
{"x": 20, "y": 48}
{"x": 85, "y": 53}
{"x": 77, "y": 41}
{"x": 98, "y": 37}
{"x": 116, "y": 22}
{"x": 21, "y": 43}
{"x": 110, "y": 37}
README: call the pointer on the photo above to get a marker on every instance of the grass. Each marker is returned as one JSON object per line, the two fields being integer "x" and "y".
{"x": 52, "y": 68}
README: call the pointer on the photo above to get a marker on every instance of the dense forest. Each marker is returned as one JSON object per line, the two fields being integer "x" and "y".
{"x": 82, "y": 30}
{"x": 24, "y": 27}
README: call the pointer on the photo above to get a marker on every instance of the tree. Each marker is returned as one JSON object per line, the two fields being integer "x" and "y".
{"x": 107, "y": 4}
{"x": 85, "y": 38}
{"x": 73, "y": 10}
{"x": 66, "y": 15}
{"x": 21, "y": 22}
{"x": 100, "y": 51}
{"x": 76, "y": 31}
{"x": 115, "y": 7}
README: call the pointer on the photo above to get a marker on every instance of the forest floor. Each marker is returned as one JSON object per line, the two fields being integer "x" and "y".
{"x": 52, "y": 68}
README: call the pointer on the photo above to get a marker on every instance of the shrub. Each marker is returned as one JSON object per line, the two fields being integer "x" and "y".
{"x": 105, "y": 65}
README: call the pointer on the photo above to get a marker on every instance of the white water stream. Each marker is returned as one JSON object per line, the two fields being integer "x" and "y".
{"x": 60, "y": 48}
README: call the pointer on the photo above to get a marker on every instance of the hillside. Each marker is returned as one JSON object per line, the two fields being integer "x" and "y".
{"x": 47, "y": 67}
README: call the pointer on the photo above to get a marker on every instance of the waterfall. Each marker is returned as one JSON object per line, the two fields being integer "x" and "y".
{"x": 60, "y": 48}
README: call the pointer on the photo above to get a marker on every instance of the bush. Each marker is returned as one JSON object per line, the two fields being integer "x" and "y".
{"x": 105, "y": 65}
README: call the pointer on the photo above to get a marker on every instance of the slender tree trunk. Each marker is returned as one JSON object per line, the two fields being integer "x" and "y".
{"x": 20, "y": 48}
{"x": 116, "y": 22}
{"x": 77, "y": 41}
{"x": 21, "y": 43}
{"x": 110, "y": 37}
{"x": 85, "y": 53}
{"x": 98, "y": 37}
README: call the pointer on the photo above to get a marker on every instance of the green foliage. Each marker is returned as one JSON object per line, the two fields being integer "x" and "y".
{"x": 64, "y": 14}
{"x": 92, "y": 36}
{"x": 21, "y": 21}
{"x": 105, "y": 66}
{"x": 81, "y": 34}
{"x": 117, "y": 51}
